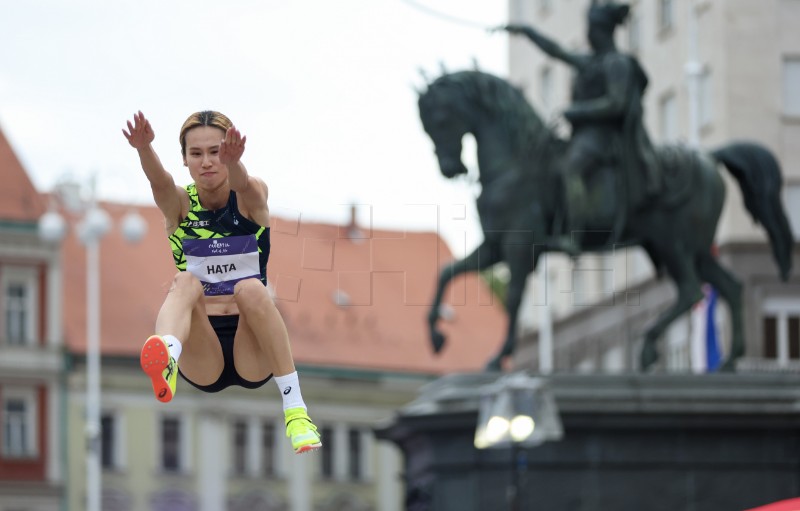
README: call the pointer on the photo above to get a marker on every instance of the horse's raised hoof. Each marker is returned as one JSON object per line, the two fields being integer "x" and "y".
{"x": 437, "y": 339}
{"x": 649, "y": 356}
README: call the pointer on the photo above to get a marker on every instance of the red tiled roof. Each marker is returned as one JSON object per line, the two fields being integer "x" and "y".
{"x": 383, "y": 282}
{"x": 19, "y": 200}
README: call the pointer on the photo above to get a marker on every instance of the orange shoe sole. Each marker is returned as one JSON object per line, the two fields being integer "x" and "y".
{"x": 308, "y": 448}
{"x": 154, "y": 359}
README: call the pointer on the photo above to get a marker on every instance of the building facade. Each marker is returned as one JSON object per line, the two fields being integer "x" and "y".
{"x": 32, "y": 420}
{"x": 720, "y": 71}
{"x": 354, "y": 300}
{"x": 229, "y": 451}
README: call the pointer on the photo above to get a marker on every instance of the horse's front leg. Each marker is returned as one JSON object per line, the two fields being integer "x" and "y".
{"x": 681, "y": 268}
{"x": 521, "y": 263}
{"x": 481, "y": 258}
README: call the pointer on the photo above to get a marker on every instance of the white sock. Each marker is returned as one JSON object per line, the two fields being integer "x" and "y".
{"x": 174, "y": 345}
{"x": 289, "y": 385}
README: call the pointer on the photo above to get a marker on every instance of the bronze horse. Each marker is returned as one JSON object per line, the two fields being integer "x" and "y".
{"x": 520, "y": 203}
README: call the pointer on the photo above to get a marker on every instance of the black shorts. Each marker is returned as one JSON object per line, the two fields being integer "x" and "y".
{"x": 225, "y": 328}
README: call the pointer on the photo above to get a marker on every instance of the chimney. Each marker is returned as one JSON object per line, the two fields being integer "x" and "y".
{"x": 354, "y": 232}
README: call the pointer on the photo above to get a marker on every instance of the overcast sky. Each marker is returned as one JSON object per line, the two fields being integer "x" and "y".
{"x": 323, "y": 91}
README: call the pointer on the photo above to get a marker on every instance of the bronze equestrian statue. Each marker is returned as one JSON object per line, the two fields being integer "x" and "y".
{"x": 671, "y": 196}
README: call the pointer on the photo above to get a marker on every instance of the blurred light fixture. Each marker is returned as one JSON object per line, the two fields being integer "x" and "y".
{"x": 517, "y": 409}
{"x": 517, "y": 412}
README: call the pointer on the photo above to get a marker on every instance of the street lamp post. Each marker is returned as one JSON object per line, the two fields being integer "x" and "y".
{"x": 94, "y": 225}
{"x": 517, "y": 411}
{"x": 520, "y": 460}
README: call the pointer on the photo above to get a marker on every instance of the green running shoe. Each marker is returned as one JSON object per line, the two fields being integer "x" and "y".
{"x": 160, "y": 367}
{"x": 301, "y": 430}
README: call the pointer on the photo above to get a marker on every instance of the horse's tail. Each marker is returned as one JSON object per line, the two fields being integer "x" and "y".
{"x": 759, "y": 177}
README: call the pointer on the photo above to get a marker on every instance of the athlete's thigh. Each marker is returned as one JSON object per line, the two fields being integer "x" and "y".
{"x": 201, "y": 358}
{"x": 250, "y": 360}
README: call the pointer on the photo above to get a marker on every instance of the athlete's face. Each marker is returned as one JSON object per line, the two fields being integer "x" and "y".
{"x": 202, "y": 156}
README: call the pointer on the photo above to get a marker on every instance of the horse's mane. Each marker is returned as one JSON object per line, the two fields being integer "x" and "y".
{"x": 496, "y": 96}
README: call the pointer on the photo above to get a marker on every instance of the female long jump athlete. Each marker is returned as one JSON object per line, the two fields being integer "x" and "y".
{"x": 218, "y": 316}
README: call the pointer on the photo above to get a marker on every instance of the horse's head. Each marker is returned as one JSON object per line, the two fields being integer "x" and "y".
{"x": 487, "y": 106}
{"x": 446, "y": 120}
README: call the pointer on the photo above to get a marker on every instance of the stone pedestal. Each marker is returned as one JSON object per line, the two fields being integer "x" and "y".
{"x": 671, "y": 442}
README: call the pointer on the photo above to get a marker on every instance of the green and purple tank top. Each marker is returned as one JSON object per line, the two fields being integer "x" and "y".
{"x": 220, "y": 247}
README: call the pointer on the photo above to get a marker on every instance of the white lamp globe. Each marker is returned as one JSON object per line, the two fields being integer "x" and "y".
{"x": 134, "y": 227}
{"x": 52, "y": 227}
{"x": 94, "y": 225}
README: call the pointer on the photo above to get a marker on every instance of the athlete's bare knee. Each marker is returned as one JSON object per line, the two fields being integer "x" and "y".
{"x": 186, "y": 282}
{"x": 250, "y": 293}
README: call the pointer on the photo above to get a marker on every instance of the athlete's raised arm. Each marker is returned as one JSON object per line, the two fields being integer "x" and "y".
{"x": 166, "y": 194}
{"x": 252, "y": 190}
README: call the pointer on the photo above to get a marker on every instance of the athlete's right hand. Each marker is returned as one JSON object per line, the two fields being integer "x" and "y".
{"x": 140, "y": 133}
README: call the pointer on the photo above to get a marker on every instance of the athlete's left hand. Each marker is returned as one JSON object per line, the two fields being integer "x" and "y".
{"x": 232, "y": 147}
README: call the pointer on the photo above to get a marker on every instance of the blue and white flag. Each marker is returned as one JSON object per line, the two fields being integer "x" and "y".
{"x": 713, "y": 355}
{"x": 706, "y": 353}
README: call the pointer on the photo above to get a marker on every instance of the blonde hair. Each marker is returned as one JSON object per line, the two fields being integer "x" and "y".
{"x": 204, "y": 118}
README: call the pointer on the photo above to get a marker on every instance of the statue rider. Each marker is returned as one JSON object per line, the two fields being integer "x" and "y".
{"x": 605, "y": 113}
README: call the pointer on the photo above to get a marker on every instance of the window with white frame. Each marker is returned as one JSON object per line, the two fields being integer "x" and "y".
{"x": 668, "y": 117}
{"x": 174, "y": 444}
{"x": 355, "y": 466}
{"x": 706, "y": 98}
{"x": 666, "y": 14}
{"x": 347, "y": 453}
{"x": 19, "y": 304}
{"x": 326, "y": 454}
{"x": 253, "y": 450}
{"x": 780, "y": 331}
{"x": 791, "y": 85}
{"x": 111, "y": 441}
{"x": 268, "y": 449}
{"x": 240, "y": 447}
{"x": 20, "y": 423}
